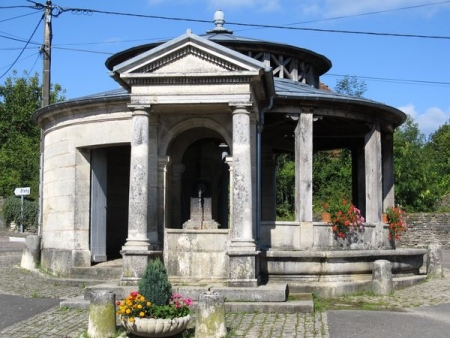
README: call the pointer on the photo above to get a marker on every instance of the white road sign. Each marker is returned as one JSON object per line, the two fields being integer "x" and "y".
{"x": 22, "y": 191}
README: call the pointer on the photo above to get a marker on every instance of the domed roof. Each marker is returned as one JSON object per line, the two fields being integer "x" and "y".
{"x": 220, "y": 35}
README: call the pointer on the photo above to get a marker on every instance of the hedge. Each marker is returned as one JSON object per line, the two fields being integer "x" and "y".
{"x": 11, "y": 212}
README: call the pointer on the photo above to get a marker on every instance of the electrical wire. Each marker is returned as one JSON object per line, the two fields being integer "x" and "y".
{"x": 17, "y": 17}
{"x": 382, "y": 79}
{"x": 23, "y": 49}
{"x": 90, "y": 11}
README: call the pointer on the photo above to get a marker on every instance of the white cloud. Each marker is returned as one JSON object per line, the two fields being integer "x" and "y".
{"x": 430, "y": 120}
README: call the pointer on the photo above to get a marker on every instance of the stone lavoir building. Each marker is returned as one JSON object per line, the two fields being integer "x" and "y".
{"x": 179, "y": 163}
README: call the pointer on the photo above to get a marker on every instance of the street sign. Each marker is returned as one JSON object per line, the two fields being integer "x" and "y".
{"x": 22, "y": 191}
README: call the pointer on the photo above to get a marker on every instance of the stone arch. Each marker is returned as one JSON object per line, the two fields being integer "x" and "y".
{"x": 192, "y": 123}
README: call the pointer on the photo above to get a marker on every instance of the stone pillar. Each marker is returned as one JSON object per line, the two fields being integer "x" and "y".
{"x": 136, "y": 252}
{"x": 372, "y": 152}
{"x": 434, "y": 261}
{"x": 102, "y": 314}
{"x": 244, "y": 263}
{"x": 382, "y": 283}
{"x": 303, "y": 177}
{"x": 162, "y": 199}
{"x": 31, "y": 253}
{"x": 175, "y": 202}
{"x": 152, "y": 202}
{"x": 387, "y": 149}
{"x": 210, "y": 316}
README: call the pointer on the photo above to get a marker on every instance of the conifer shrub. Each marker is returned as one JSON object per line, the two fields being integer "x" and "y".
{"x": 155, "y": 285}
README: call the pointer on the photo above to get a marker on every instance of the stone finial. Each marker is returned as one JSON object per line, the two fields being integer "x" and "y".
{"x": 219, "y": 21}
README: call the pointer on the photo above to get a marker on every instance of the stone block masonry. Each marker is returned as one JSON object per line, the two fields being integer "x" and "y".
{"x": 425, "y": 229}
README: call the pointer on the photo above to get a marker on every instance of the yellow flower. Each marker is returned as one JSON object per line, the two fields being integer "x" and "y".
{"x": 141, "y": 314}
{"x": 142, "y": 298}
{"x": 128, "y": 311}
{"x": 131, "y": 319}
{"x": 139, "y": 306}
{"x": 129, "y": 303}
{"x": 148, "y": 303}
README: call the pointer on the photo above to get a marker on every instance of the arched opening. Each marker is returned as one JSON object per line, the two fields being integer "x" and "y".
{"x": 205, "y": 179}
{"x": 199, "y": 181}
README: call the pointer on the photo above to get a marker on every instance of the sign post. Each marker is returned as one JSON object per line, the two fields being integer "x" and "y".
{"x": 21, "y": 192}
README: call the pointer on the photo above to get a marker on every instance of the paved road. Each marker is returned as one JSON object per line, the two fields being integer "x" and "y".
{"x": 14, "y": 309}
{"x": 430, "y": 321}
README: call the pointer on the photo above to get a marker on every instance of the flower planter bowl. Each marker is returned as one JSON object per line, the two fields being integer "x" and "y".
{"x": 156, "y": 327}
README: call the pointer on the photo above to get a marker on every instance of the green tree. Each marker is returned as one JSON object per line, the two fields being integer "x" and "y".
{"x": 285, "y": 177}
{"x": 351, "y": 85}
{"x": 438, "y": 149}
{"x": 416, "y": 187}
{"x": 20, "y": 97}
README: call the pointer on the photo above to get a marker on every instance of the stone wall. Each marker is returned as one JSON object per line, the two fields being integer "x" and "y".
{"x": 426, "y": 228}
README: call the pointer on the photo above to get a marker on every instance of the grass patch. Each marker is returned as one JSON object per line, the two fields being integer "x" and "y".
{"x": 359, "y": 301}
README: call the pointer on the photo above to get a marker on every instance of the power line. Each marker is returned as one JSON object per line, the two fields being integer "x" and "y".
{"x": 406, "y": 81}
{"x": 23, "y": 49}
{"x": 90, "y": 11}
{"x": 372, "y": 13}
{"x": 20, "y": 16}
{"x": 83, "y": 50}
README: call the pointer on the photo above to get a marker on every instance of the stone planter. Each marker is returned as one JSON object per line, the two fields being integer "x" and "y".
{"x": 156, "y": 327}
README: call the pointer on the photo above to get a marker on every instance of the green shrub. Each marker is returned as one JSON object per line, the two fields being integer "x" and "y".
{"x": 155, "y": 285}
{"x": 11, "y": 212}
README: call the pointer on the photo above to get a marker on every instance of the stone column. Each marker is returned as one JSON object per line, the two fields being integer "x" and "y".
{"x": 373, "y": 171}
{"x": 387, "y": 149}
{"x": 136, "y": 252}
{"x": 175, "y": 198}
{"x": 152, "y": 202}
{"x": 162, "y": 189}
{"x": 244, "y": 264}
{"x": 303, "y": 177}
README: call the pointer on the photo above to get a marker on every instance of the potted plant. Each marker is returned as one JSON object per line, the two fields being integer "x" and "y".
{"x": 345, "y": 218}
{"x": 154, "y": 311}
{"x": 396, "y": 222}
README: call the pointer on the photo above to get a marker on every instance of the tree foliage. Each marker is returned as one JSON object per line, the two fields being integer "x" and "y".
{"x": 20, "y": 97}
{"x": 351, "y": 85}
{"x": 416, "y": 178}
{"x": 438, "y": 149}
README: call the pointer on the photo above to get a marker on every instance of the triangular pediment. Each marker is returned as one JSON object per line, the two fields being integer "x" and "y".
{"x": 188, "y": 54}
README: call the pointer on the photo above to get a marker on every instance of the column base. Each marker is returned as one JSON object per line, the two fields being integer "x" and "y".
{"x": 306, "y": 235}
{"x": 244, "y": 268}
{"x": 134, "y": 265}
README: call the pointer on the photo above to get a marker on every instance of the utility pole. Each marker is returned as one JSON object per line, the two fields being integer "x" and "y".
{"x": 47, "y": 54}
{"x": 46, "y": 51}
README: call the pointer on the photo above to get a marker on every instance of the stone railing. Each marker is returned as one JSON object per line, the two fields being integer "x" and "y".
{"x": 425, "y": 229}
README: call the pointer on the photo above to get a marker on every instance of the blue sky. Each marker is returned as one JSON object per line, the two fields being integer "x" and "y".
{"x": 412, "y": 74}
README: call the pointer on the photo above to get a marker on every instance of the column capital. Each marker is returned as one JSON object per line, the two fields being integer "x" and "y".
{"x": 240, "y": 107}
{"x": 139, "y": 109}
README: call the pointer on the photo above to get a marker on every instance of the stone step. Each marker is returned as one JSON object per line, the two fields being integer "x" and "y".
{"x": 104, "y": 273}
{"x": 303, "y": 303}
